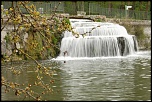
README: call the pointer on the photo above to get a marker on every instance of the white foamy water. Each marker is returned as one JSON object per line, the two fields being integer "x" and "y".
{"x": 100, "y": 40}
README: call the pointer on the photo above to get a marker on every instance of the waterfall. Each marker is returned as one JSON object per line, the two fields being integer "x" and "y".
{"x": 101, "y": 39}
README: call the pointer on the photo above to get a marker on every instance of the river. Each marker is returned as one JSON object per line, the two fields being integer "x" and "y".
{"x": 92, "y": 79}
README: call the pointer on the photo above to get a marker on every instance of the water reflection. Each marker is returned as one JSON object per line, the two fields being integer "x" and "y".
{"x": 29, "y": 77}
{"x": 126, "y": 78}
{"x": 100, "y": 80}
{"x": 106, "y": 79}
{"x": 142, "y": 79}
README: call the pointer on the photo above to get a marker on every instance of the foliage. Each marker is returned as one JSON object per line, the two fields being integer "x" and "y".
{"x": 128, "y": 27}
{"x": 44, "y": 35}
{"x": 98, "y": 20}
{"x": 141, "y": 37}
{"x": 138, "y": 31}
{"x": 41, "y": 42}
{"x": 136, "y": 5}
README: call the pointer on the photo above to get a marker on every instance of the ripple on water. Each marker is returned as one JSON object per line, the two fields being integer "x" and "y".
{"x": 102, "y": 79}
{"x": 145, "y": 64}
{"x": 145, "y": 77}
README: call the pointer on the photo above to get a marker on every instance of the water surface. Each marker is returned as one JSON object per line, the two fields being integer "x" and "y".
{"x": 93, "y": 79}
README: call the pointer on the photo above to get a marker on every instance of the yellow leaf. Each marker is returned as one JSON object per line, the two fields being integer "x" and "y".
{"x": 11, "y": 9}
{"x": 6, "y": 12}
{"x": 20, "y": 28}
{"x": 12, "y": 85}
{"x": 3, "y": 78}
{"x": 27, "y": 88}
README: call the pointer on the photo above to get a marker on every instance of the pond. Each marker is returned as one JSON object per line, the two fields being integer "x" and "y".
{"x": 92, "y": 79}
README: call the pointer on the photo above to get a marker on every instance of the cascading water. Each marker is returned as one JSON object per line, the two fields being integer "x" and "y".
{"x": 97, "y": 39}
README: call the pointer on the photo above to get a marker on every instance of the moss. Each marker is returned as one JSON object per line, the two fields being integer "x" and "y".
{"x": 34, "y": 45}
{"x": 129, "y": 28}
{"x": 139, "y": 32}
{"x": 98, "y": 20}
{"x": 67, "y": 21}
{"x": 7, "y": 39}
{"x": 136, "y": 30}
{"x": 56, "y": 20}
{"x": 54, "y": 40}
